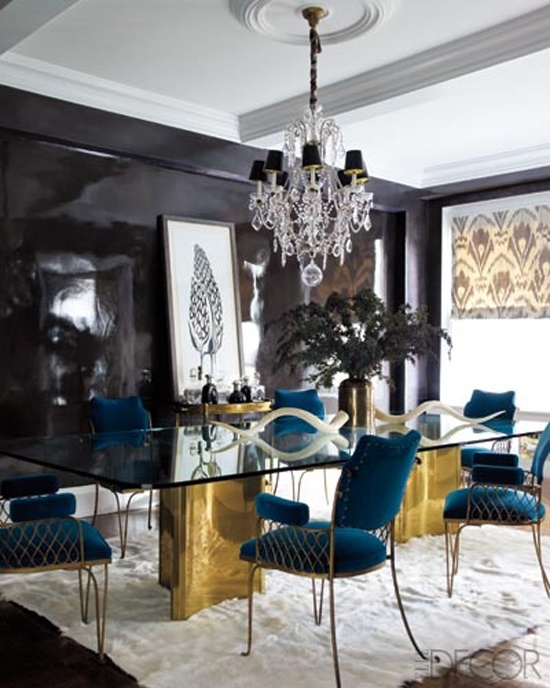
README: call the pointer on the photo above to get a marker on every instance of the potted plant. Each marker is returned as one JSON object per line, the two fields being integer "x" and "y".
{"x": 354, "y": 335}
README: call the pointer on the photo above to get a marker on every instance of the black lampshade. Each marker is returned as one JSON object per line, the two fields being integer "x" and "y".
{"x": 354, "y": 162}
{"x": 274, "y": 161}
{"x": 257, "y": 173}
{"x": 311, "y": 157}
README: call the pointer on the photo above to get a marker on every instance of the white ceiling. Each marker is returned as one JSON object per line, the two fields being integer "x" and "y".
{"x": 433, "y": 91}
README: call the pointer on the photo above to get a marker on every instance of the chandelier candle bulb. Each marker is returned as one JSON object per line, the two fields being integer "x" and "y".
{"x": 313, "y": 208}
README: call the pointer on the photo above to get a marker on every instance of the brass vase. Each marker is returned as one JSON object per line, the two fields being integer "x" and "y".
{"x": 356, "y": 398}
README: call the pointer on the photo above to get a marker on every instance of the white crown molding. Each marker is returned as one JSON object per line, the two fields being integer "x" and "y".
{"x": 356, "y": 17}
{"x": 69, "y": 85}
{"x": 509, "y": 40}
{"x": 487, "y": 166}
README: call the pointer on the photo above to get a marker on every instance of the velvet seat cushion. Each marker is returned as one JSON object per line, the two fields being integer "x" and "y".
{"x": 493, "y": 503}
{"x": 307, "y": 551}
{"x": 50, "y": 543}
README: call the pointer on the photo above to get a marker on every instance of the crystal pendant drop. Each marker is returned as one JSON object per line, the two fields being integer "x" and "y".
{"x": 312, "y": 275}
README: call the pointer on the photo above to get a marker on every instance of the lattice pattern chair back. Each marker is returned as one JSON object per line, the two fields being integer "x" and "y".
{"x": 498, "y": 494}
{"x": 357, "y": 540}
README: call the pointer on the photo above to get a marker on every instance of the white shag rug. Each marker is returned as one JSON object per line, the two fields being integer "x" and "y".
{"x": 498, "y": 596}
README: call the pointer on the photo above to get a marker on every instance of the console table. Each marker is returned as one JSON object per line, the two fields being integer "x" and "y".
{"x": 190, "y": 412}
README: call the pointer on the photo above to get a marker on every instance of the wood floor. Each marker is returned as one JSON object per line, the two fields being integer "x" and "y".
{"x": 33, "y": 654}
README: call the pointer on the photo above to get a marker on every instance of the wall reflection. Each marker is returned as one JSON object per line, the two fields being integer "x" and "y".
{"x": 86, "y": 322}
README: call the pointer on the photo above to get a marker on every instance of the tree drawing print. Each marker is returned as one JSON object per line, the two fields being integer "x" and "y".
{"x": 205, "y": 310}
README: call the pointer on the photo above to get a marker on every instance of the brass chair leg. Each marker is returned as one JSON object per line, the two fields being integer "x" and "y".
{"x": 449, "y": 560}
{"x": 252, "y": 570}
{"x": 299, "y": 486}
{"x": 334, "y": 644}
{"x": 452, "y": 554}
{"x": 327, "y": 496}
{"x": 123, "y": 520}
{"x": 83, "y": 602}
{"x": 325, "y": 480}
{"x": 150, "y": 511}
{"x": 96, "y": 503}
{"x": 456, "y": 549}
{"x": 400, "y": 601}
{"x": 535, "y": 530}
{"x": 292, "y": 481}
{"x": 318, "y": 608}
{"x": 100, "y": 609}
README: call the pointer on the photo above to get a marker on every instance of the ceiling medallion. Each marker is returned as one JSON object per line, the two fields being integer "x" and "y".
{"x": 343, "y": 21}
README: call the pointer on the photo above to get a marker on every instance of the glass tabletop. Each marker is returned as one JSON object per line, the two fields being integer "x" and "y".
{"x": 187, "y": 455}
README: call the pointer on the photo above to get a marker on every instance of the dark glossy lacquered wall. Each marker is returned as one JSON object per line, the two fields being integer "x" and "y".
{"x": 81, "y": 195}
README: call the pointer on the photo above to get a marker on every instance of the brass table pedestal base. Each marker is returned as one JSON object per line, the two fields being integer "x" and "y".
{"x": 436, "y": 474}
{"x": 201, "y": 530}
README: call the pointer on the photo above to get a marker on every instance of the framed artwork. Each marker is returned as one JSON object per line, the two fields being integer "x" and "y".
{"x": 203, "y": 302}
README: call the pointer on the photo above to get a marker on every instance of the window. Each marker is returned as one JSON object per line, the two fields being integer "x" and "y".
{"x": 496, "y": 299}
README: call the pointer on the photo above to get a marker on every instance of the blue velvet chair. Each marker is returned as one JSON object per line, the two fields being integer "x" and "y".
{"x": 358, "y": 539}
{"x": 306, "y": 400}
{"x": 480, "y": 405}
{"x": 115, "y": 419}
{"x": 500, "y": 493}
{"x": 42, "y": 535}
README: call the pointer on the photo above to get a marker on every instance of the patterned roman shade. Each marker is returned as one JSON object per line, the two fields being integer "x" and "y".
{"x": 501, "y": 263}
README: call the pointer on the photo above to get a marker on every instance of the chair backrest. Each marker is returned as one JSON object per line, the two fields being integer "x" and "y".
{"x": 483, "y": 404}
{"x": 305, "y": 399}
{"x": 118, "y": 414}
{"x": 542, "y": 451}
{"x": 28, "y": 485}
{"x": 372, "y": 483}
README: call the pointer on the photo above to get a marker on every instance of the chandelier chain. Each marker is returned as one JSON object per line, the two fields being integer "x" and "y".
{"x": 314, "y": 50}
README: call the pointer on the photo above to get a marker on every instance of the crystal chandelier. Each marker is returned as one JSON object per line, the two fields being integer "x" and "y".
{"x": 314, "y": 207}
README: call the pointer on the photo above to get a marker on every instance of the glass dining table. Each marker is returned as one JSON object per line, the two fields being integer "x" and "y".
{"x": 209, "y": 475}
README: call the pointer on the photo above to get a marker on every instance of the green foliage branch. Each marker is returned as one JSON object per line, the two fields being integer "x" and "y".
{"x": 354, "y": 335}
